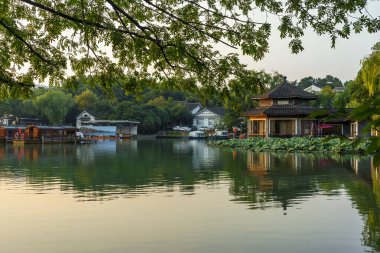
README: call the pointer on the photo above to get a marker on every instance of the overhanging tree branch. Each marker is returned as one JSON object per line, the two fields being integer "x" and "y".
{"x": 27, "y": 44}
{"x": 81, "y": 21}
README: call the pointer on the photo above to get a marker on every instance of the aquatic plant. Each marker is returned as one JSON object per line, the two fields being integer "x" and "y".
{"x": 305, "y": 144}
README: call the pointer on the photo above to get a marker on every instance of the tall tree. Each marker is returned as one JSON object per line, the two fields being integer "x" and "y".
{"x": 54, "y": 104}
{"x": 86, "y": 100}
{"x": 370, "y": 71}
{"x": 329, "y": 81}
{"x": 306, "y": 82}
{"x": 325, "y": 98}
{"x": 106, "y": 39}
{"x": 368, "y": 79}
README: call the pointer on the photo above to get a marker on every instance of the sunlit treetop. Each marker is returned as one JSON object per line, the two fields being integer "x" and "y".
{"x": 370, "y": 71}
{"x": 62, "y": 41}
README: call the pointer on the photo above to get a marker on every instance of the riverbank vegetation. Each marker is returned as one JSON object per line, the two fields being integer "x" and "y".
{"x": 304, "y": 144}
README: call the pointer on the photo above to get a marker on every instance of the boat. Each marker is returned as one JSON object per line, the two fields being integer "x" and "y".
{"x": 43, "y": 135}
{"x": 197, "y": 135}
{"x": 221, "y": 134}
{"x": 81, "y": 139}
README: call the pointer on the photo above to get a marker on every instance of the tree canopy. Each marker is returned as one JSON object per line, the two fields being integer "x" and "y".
{"x": 107, "y": 40}
{"x": 54, "y": 105}
{"x": 370, "y": 71}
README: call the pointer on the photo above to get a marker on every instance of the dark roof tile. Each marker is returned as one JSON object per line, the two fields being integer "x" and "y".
{"x": 191, "y": 106}
{"x": 217, "y": 110}
{"x": 255, "y": 111}
{"x": 281, "y": 111}
{"x": 286, "y": 90}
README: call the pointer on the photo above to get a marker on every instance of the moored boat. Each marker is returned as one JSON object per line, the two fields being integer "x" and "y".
{"x": 44, "y": 134}
{"x": 221, "y": 134}
{"x": 197, "y": 135}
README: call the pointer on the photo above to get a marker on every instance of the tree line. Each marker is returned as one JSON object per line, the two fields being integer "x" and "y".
{"x": 159, "y": 107}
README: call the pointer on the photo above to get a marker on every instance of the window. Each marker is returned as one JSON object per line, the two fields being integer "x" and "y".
{"x": 282, "y": 127}
{"x": 335, "y": 129}
{"x": 283, "y": 102}
{"x": 308, "y": 127}
{"x": 354, "y": 129}
{"x": 265, "y": 102}
{"x": 258, "y": 127}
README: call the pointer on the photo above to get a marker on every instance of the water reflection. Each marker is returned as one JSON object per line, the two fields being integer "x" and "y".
{"x": 365, "y": 196}
{"x": 112, "y": 169}
{"x": 259, "y": 181}
{"x": 286, "y": 180}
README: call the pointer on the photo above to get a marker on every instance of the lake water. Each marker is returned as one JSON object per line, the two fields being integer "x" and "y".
{"x": 183, "y": 196}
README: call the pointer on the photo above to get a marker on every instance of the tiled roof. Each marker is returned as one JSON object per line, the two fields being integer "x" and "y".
{"x": 281, "y": 111}
{"x": 289, "y": 111}
{"x": 286, "y": 90}
{"x": 191, "y": 106}
{"x": 255, "y": 111}
{"x": 217, "y": 110}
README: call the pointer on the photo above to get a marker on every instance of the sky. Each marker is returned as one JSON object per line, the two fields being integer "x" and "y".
{"x": 318, "y": 58}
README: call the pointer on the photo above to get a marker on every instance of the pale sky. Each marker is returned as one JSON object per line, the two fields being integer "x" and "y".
{"x": 318, "y": 58}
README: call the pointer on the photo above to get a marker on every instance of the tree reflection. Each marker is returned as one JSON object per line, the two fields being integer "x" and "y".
{"x": 113, "y": 168}
{"x": 132, "y": 168}
{"x": 283, "y": 179}
{"x": 365, "y": 195}
{"x": 287, "y": 179}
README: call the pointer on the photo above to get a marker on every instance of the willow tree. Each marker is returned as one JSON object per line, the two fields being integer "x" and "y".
{"x": 369, "y": 109}
{"x": 370, "y": 71}
{"x": 61, "y": 41}
{"x": 54, "y": 105}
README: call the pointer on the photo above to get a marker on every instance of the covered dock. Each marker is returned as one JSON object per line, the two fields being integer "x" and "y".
{"x": 124, "y": 128}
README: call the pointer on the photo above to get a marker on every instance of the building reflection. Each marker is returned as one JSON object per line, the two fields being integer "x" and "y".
{"x": 288, "y": 179}
{"x": 203, "y": 156}
{"x": 280, "y": 179}
{"x": 259, "y": 165}
{"x": 263, "y": 180}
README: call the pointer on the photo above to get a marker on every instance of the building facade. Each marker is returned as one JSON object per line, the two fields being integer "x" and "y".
{"x": 123, "y": 128}
{"x": 282, "y": 112}
{"x": 285, "y": 111}
{"x": 208, "y": 118}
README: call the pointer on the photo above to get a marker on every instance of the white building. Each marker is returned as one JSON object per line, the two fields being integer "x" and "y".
{"x": 121, "y": 127}
{"x": 339, "y": 89}
{"x": 313, "y": 89}
{"x": 194, "y": 107}
{"x": 208, "y": 117}
{"x": 8, "y": 120}
{"x": 83, "y": 117}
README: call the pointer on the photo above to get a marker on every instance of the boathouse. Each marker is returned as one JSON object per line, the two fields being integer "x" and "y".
{"x": 8, "y": 133}
{"x": 123, "y": 128}
{"x": 48, "y": 134}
